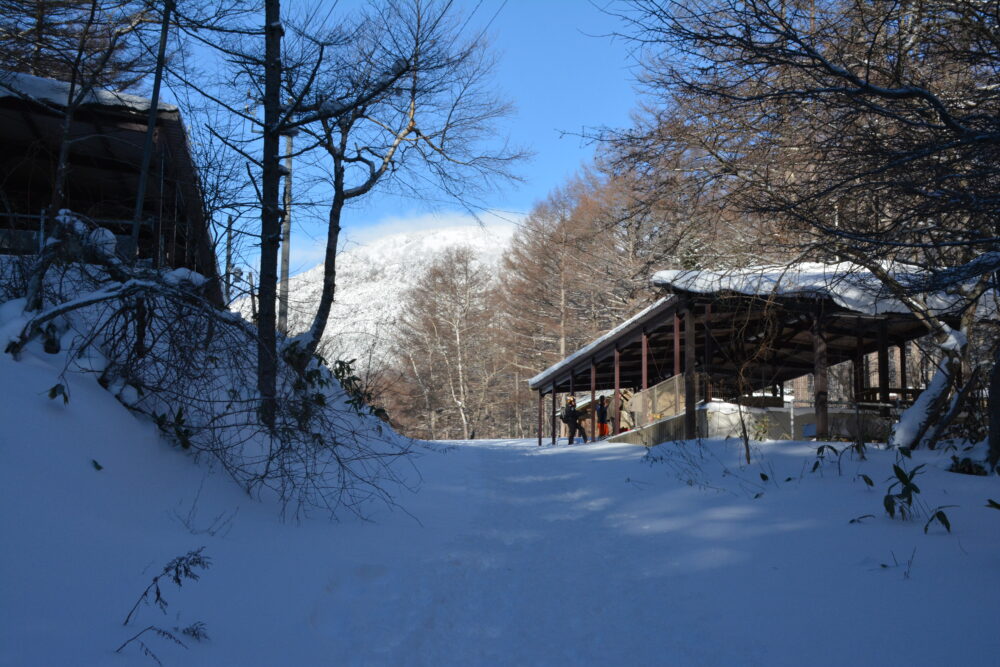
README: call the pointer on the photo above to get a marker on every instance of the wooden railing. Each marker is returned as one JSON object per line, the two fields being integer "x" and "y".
{"x": 663, "y": 400}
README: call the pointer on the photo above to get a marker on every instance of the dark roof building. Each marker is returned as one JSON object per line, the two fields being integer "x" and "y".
{"x": 106, "y": 137}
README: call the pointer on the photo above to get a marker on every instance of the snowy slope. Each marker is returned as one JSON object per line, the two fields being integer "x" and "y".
{"x": 508, "y": 554}
{"x": 371, "y": 282}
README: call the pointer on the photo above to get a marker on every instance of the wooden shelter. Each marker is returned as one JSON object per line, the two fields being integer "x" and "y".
{"x": 731, "y": 335}
{"x": 106, "y": 136}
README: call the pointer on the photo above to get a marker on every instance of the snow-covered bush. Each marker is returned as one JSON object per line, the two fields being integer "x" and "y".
{"x": 166, "y": 352}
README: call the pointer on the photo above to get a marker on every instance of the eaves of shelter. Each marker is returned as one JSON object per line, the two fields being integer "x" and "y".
{"x": 735, "y": 322}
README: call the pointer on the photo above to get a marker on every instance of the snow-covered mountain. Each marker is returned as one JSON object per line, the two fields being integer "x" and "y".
{"x": 372, "y": 280}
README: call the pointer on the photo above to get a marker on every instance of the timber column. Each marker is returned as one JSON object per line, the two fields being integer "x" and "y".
{"x": 820, "y": 384}
{"x": 541, "y": 413}
{"x": 555, "y": 400}
{"x": 593, "y": 400}
{"x": 883, "y": 368}
{"x": 690, "y": 385}
{"x": 618, "y": 393}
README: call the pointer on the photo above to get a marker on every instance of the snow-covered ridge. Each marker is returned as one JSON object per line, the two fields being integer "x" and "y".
{"x": 372, "y": 280}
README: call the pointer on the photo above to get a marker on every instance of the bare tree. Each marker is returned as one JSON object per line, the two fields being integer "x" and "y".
{"x": 449, "y": 342}
{"x": 872, "y": 128}
{"x": 90, "y": 41}
{"x": 399, "y": 98}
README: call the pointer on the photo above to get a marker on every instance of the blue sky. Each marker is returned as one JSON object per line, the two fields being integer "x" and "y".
{"x": 561, "y": 74}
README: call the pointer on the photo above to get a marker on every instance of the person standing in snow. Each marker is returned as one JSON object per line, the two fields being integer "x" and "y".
{"x": 602, "y": 418}
{"x": 571, "y": 417}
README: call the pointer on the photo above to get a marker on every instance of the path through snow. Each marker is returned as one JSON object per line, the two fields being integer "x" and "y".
{"x": 508, "y": 554}
{"x": 584, "y": 555}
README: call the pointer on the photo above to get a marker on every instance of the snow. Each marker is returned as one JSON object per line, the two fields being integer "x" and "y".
{"x": 103, "y": 241}
{"x": 19, "y": 85}
{"x": 505, "y": 554}
{"x": 904, "y": 430}
{"x": 596, "y": 344}
{"x": 181, "y": 275}
{"x": 955, "y": 341}
{"x": 372, "y": 280}
{"x": 849, "y": 285}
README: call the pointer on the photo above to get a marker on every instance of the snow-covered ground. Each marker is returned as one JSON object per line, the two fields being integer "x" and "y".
{"x": 506, "y": 554}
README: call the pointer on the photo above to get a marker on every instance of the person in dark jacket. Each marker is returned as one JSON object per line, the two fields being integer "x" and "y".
{"x": 572, "y": 419}
{"x": 602, "y": 418}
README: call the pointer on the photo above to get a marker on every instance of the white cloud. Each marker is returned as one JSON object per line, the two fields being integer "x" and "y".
{"x": 401, "y": 224}
{"x": 308, "y": 251}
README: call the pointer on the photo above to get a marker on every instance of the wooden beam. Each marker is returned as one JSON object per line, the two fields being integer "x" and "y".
{"x": 707, "y": 368}
{"x": 677, "y": 344}
{"x": 821, "y": 396}
{"x": 902, "y": 368}
{"x": 858, "y": 365}
{"x": 645, "y": 360}
{"x": 883, "y": 364}
{"x": 618, "y": 393}
{"x": 593, "y": 400}
{"x": 555, "y": 406}
{"x": 690, "y": 416}
{"x": 541, "y": 414}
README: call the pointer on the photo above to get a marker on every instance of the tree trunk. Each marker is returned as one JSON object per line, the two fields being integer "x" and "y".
{"x": 286, "y": 240}
{"x": 147, "y": 145}
{"x": 329, "y": 272}
{"x": 460, "y": 399}
{"x": 270, "y": 226}
{"x": 994, "y": 407}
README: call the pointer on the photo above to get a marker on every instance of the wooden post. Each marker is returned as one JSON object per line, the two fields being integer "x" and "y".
{"x": 690, "y": 399}
{"x": 593, "y": 400}
{"x": 821, "y": 396}
{"x": 645, "y": 360}
{"x": 555, "y": 407}
{"x": 541, "y": 414}
{"x": 677, "y": 344}
{"x": 883, "y": 366}
{"x": 858, "y": 364}
{"x": 572, "y": 384}
{"x": 707, "y": 369}
{"x": 618, "y": 393}
{"x": 902, "y": 370}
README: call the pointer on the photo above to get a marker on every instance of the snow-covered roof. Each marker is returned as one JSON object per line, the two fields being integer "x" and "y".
{"x": 594, "y": 345}
{"x": 51, "y": 91}
{"x": 848, "y": 285}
